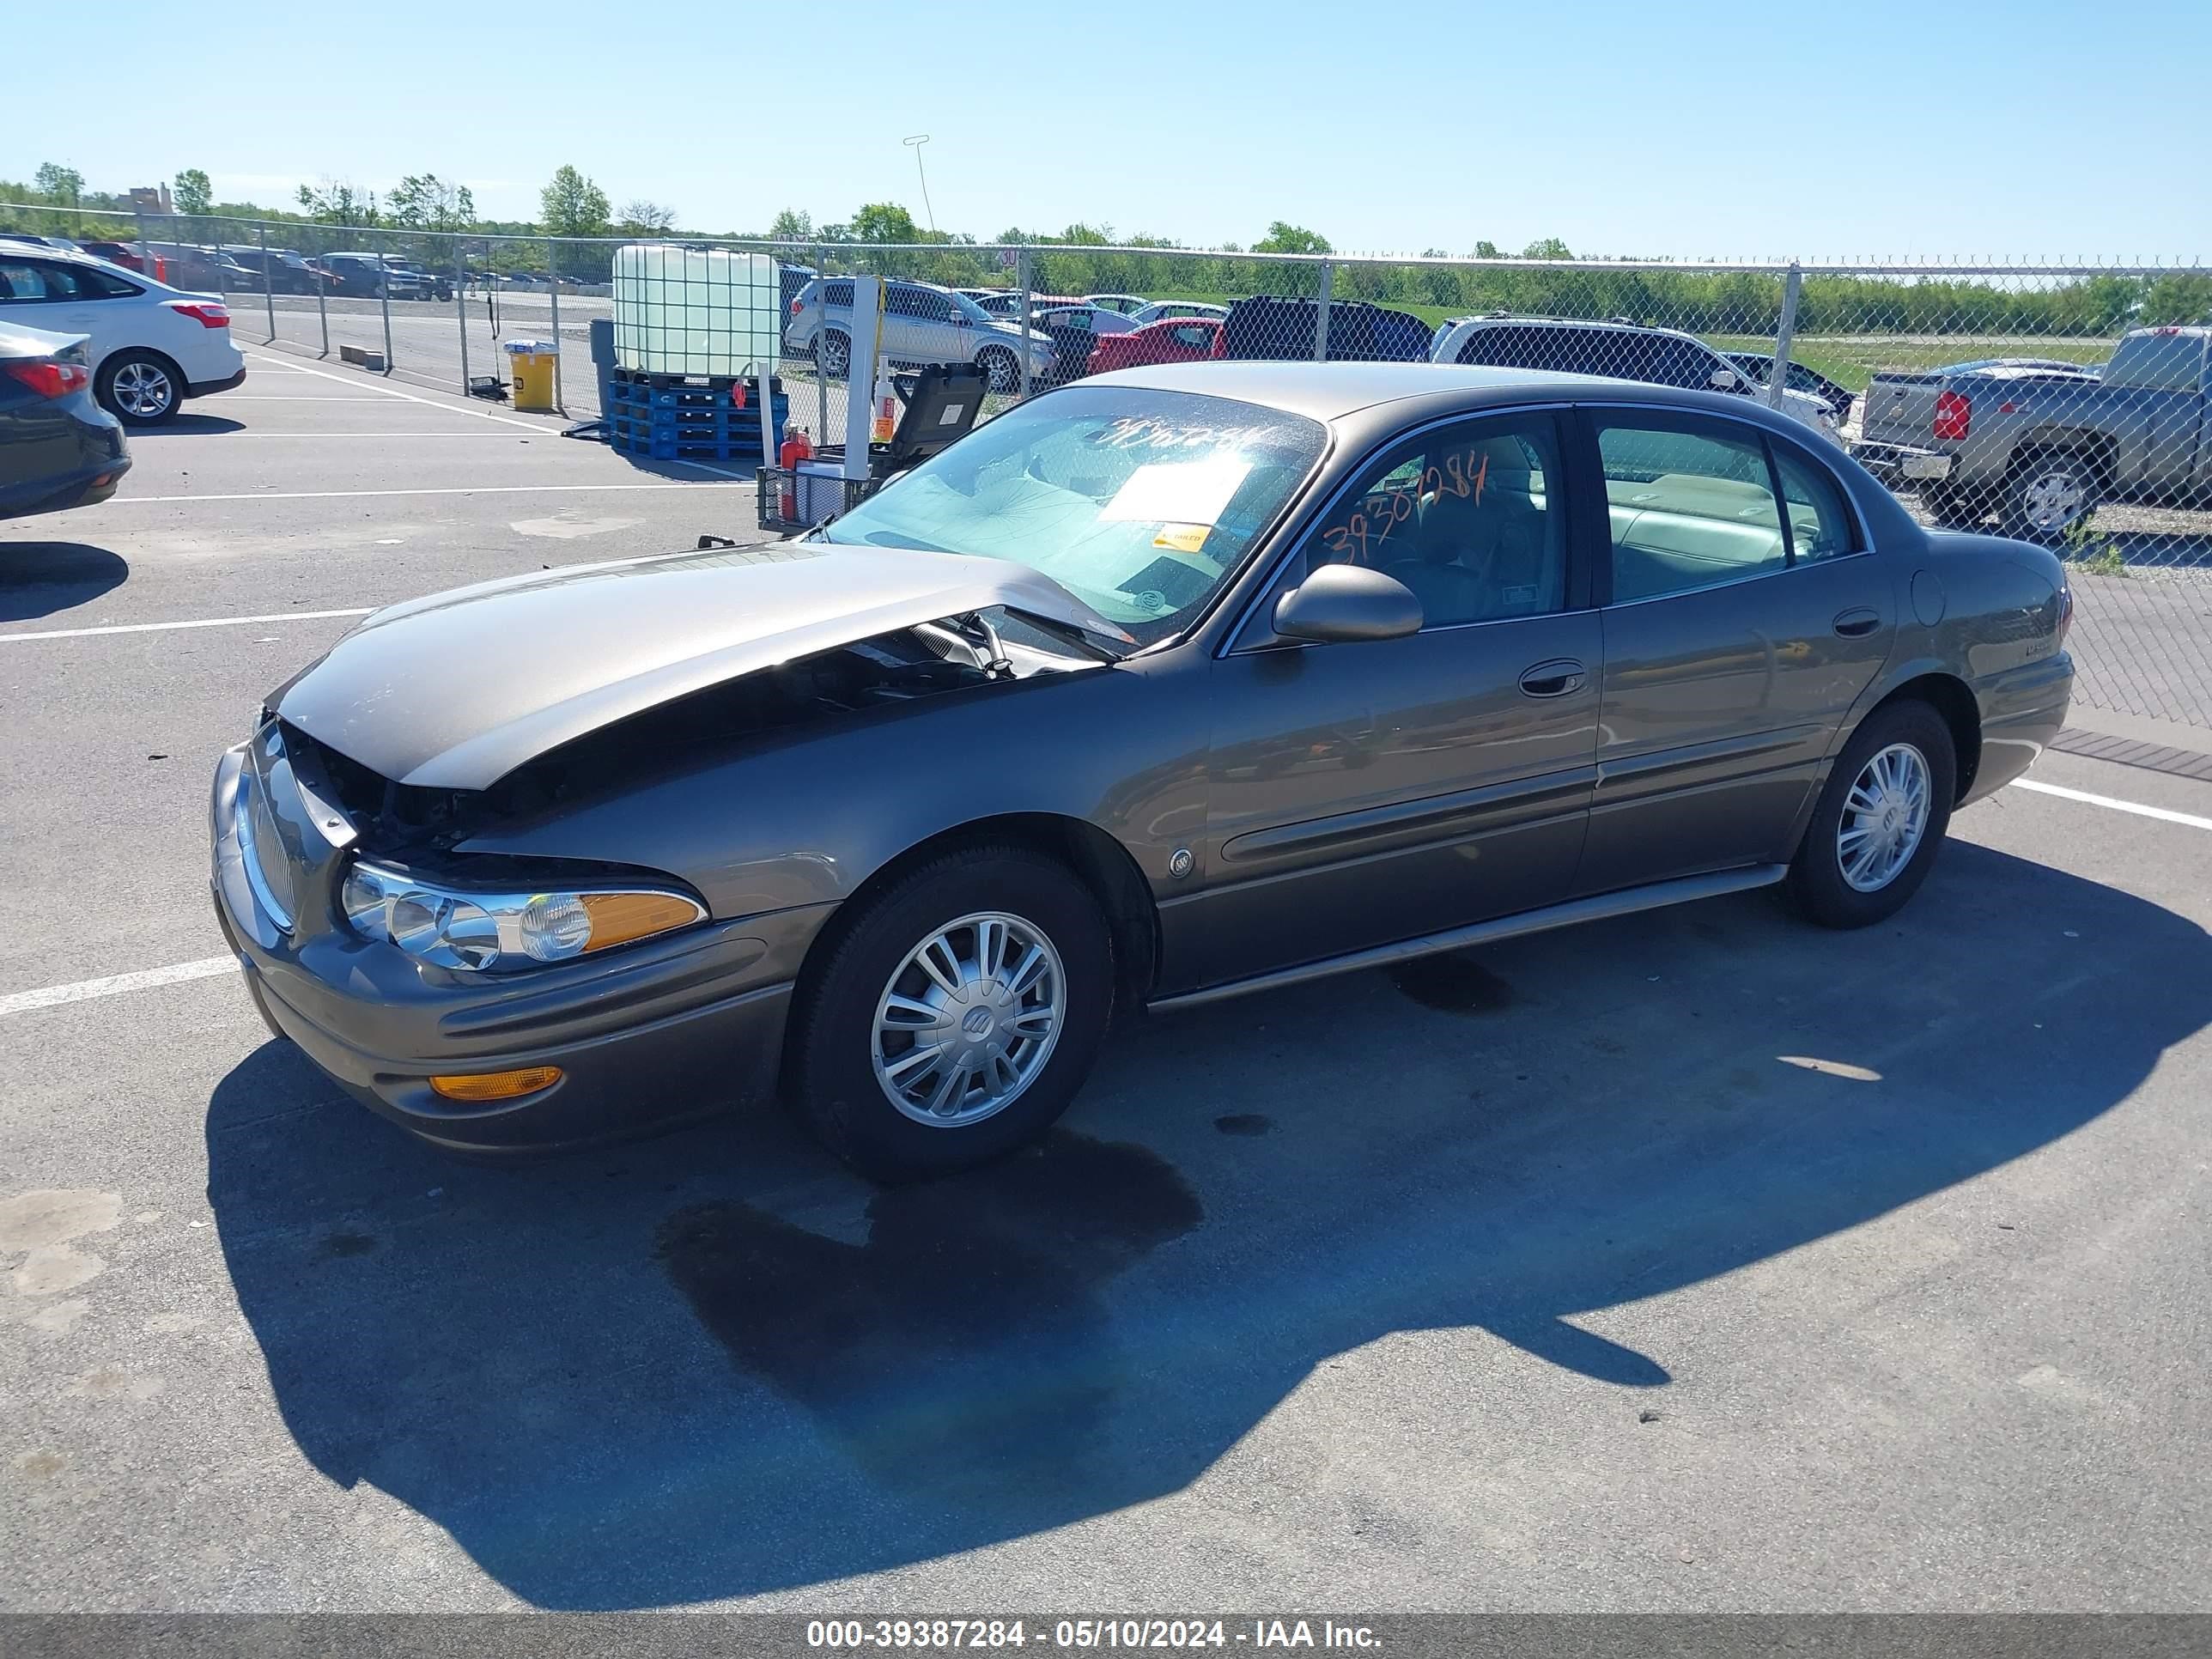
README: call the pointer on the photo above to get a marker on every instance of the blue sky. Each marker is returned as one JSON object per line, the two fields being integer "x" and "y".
{"x": 2043, "y": 128}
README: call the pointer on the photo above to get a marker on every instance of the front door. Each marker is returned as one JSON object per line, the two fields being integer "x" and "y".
{"x": 1360, "y": 794}
{"x": 1737, "y": 639}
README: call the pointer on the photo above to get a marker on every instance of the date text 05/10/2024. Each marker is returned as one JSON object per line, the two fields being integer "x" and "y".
{"x": 1088, "y": 1633}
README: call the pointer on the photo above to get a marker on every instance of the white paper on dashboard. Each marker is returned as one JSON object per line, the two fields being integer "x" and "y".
{"x": 1177, "y": 492}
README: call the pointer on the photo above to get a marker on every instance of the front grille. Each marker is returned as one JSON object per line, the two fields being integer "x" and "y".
{"x": 268, "y": 871}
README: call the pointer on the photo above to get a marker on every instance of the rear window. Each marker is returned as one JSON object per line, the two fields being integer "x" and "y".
{"x": 2158, "y": 361}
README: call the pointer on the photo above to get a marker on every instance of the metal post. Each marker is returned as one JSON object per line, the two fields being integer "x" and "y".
{"x": 322, "y": 305}
{"x": 461, "y": 309}
{"x": 1022, "y": 277}
{"x": 268, "y": 284}
{"x": 145, "y": 255}
{"x": 821, "y": 380}
{"x": 1320, "y": 321}
{"x": 384, "y": 293}
{"x": 1779, "y": 380}
{"x": 553, "y": 288}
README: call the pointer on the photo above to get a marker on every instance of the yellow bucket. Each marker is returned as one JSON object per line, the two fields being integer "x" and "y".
{"x": 530, "y": 366}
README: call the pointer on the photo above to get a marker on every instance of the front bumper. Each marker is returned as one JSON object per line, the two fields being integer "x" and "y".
{"x": 1894, "y": 462}
{"x": 646, "y": 1036}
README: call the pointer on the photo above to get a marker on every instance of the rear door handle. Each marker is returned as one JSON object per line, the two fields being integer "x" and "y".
{"x": 1555, "y": 678}
{"x": 1858, "y": 623}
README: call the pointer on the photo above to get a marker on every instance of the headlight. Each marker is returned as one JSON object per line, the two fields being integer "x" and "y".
{"x": 462, "y": 928}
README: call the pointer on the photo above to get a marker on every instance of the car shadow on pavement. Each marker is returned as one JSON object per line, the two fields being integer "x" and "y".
{"x": 715, "y": 1365}
{"x": 38, "y": 579}
{"x": 185, "y": 424}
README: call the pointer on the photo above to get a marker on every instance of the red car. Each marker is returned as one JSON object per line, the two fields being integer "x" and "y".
{"x": 1170, "y": 340}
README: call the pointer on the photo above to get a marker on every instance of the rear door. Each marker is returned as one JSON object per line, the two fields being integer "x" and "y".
{"x": 1737, "y": 638}
{"x": 1360, "y": 794}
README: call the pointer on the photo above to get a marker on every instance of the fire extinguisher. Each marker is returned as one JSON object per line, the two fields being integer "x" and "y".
{"x": 788, "y": 455}
{"x": 886, "y": 405}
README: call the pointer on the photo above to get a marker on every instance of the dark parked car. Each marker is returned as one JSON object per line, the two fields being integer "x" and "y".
{"x": 287, "y": 270}
{"x": 1169, "y": 686}
{"x": 59, "y": 447}
{"x": 1268, "y": 329}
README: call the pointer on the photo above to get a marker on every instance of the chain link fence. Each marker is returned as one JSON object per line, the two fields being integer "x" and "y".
{"x": 2067, "y": 402}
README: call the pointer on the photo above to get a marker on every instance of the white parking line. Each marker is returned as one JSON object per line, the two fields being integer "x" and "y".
{"x": 233, "y": 437}
{"x": 449, "y": 489}
{"x": 2165, "y": 815}
{"x": 164, "y": 627}
{"x": 84, "y": 990}
{"x": 276, "y": 397}
{"x": 404, "y": 397}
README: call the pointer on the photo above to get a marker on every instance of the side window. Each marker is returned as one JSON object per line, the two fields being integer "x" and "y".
{"x": 1820, "y": 525}
{"x": 837, "y": 293}
{"x": 1467, "y": 516}
{"x": 1193, "y": 336}
{"x": 21, "y": 282}
{"x": 1678, "y": 362}
{"x": 1691, "y": 505}
{"x": 935, "y": 307}
{"x": 899, "y": 301}
{"x": 2162, "y": 360}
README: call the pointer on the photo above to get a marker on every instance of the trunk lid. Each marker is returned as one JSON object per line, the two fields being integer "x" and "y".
{"x": 1901, "y": 407}
{"x": 456, "y": 690}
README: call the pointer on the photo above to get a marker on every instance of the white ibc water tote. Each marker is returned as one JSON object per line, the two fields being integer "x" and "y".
{"x": 696, "y": 311}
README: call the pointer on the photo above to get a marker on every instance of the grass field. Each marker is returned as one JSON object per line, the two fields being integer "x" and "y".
{"x": 1850, "y": 360}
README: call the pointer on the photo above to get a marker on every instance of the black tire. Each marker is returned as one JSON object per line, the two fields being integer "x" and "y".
{"x": 1816, "y": 880}
{"x": 140, "y": 388}
{"x": 2035, "y": 478}
{"x": 829, "y": 1072}
{"x": 834, "y": 355}
{"x": 1954, "y": 509}
{"x": 1002, "y": 371}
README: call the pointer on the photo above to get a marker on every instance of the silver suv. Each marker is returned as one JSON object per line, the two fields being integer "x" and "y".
{"x": 922, "y": 325}
{"x": 1618, "y": 351}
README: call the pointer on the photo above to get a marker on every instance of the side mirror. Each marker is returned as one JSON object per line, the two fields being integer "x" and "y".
{"x": 1725, "y": 380}
{"x": 1341, "y": 604}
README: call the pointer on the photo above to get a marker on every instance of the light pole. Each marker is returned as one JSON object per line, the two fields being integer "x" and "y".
{"x": 914, "y": 143}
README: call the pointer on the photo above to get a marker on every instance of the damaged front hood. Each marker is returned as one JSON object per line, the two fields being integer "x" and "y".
{"x": 456, "y": 690}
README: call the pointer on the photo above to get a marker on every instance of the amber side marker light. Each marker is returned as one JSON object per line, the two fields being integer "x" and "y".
{"x": 497, "y": 1085}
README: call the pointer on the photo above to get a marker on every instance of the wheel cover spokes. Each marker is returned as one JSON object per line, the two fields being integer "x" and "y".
{"x": 2052, "y": 501}
{"x": 969, "y": 1018}
{"x": 1885, "y": 817}
{"x": 142, "y": 389}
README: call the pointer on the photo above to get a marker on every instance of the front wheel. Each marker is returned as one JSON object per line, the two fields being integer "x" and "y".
{"x": 1000, "y": 369}
{"x": 956, "y": 1017}
{"x": 1880, "y": 817}
{"x": 140, "y": 389}
{"x": 1952, "y": 507}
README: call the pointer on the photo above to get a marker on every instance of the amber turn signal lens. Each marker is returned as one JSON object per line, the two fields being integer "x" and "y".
{"x": 497, "y": 1085}
{"x": 618, "y": 918}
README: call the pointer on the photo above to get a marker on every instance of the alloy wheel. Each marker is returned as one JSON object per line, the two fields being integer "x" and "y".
{"x": 969, "y": 1018}
{"x": 1885, "y": 817}
{"x": 836, "y": 355}
{"x": 143, "y": 389}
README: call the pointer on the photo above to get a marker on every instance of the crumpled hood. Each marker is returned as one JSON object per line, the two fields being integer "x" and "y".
{"x": 456, "y": 690}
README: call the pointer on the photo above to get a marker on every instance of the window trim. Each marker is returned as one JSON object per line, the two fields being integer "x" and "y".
{"x": 1581, "y": 576}
{"x": 1590, "y": 416}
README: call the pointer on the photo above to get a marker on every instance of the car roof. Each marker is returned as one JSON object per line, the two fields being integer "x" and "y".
{"x": 1331, "y": 392}
{"x": 18, "y": 341}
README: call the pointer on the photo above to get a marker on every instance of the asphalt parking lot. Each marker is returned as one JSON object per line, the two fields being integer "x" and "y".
{"x": 1700, "y": 1259}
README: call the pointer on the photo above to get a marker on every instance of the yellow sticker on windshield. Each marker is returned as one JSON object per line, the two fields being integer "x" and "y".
{"x": 1182, "y": 538}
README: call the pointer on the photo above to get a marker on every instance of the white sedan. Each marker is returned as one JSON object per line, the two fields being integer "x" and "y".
{"x": 152, "y": 346}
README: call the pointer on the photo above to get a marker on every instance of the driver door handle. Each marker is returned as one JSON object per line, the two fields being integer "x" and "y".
{"x": 1556, "y": 679}
{"x": 1857, "y": 624}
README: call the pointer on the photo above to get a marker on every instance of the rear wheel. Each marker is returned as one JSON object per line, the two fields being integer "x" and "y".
{"x": 140, "y": 388}
{"x": 834, "y": 354}
{"x": 956, "y": 1017}
{"x": 1880, "y": 817}
{"x": 2047, "y": 493}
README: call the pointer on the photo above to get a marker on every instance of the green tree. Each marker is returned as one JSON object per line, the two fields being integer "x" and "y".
{"x": 1487, "y": 249}
{"x": 884, "y": 221}
{"x": 426, "y": 202}
{"x": 792, "y": 224}
{"x": 1285, "y": 237}
{"x": 337, "y": 203}
{"x": 640, "y": 218}
{"x": 192, "y": 192}
{"x": 1547, "y": 247}
{"x": 572, "y": 206}
{"x": 61, "y": 186}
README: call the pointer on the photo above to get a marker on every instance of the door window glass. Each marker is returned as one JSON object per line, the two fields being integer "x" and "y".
{"x": 1820, "y": 524}
{"x": 1465, "y": 515}
{"x": 1689, "y": 508}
